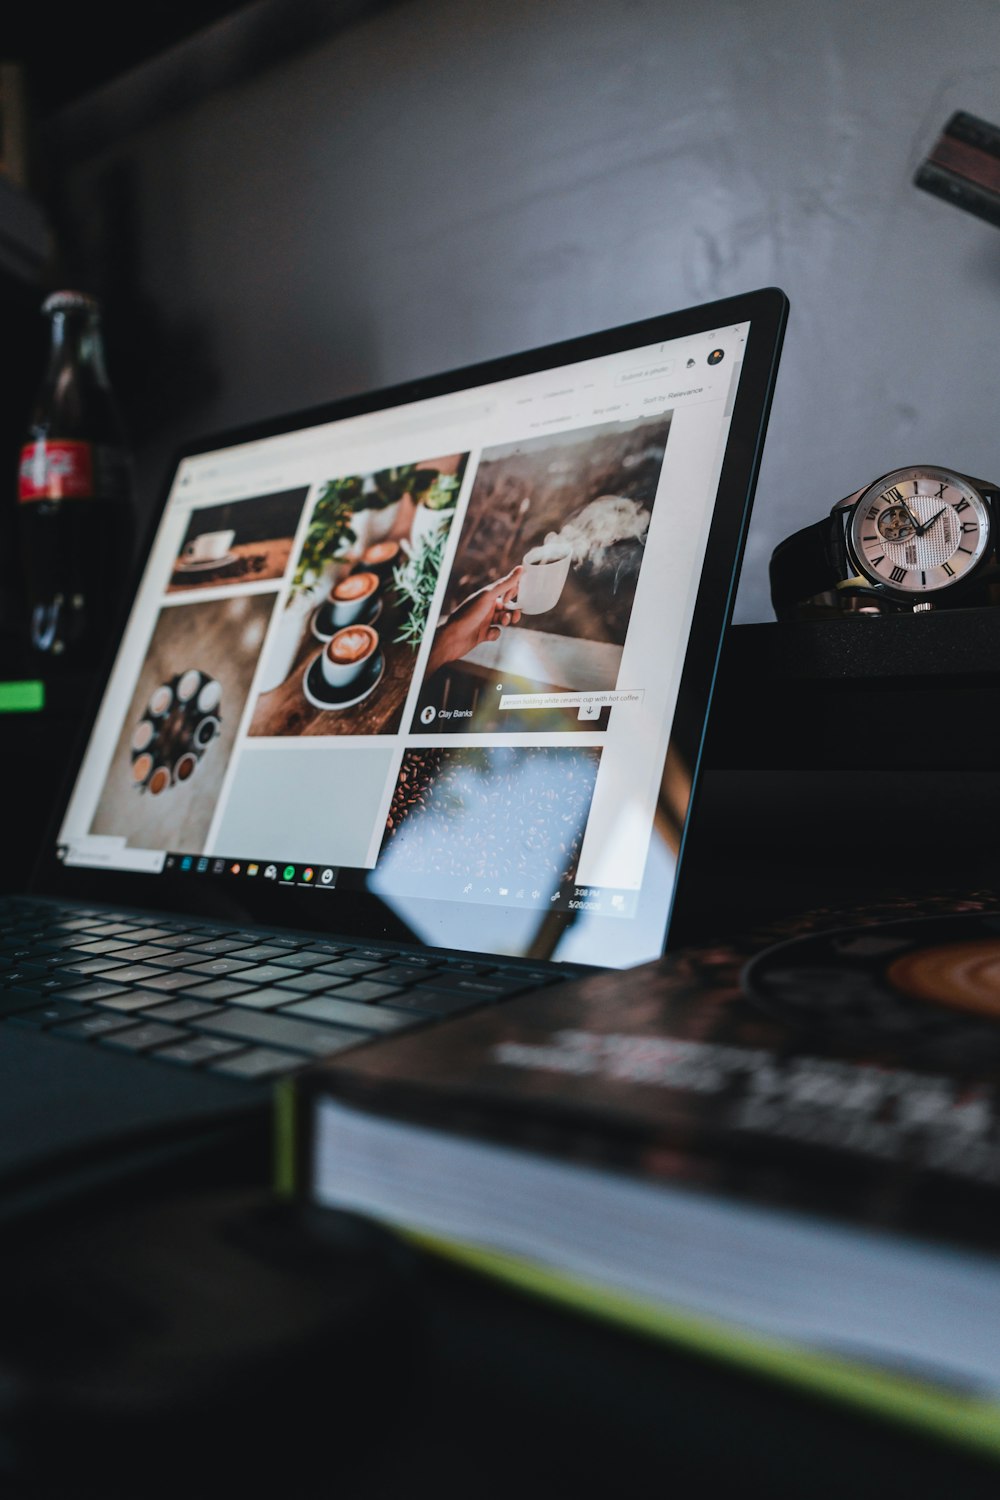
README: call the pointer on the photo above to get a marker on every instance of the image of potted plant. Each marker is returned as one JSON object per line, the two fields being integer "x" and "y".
{"x": 435, "y": 506}
{"x": 384, "y": 505}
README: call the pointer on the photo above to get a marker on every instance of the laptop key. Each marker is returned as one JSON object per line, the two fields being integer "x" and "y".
{"x": 268, "y": 998}
{"x": 219, "y": 946}
{"x": 264, "y": 974}
{"x": 258, "y": 1063}
{"x": 198, "y": 1050}
{"x": 49, "y": 1015}
{"x": 130, "y": 1000}
{"x": 166, "y": 983}
{"x": 93, "y": 990}
{"x": 432, "y": 1002}
{"x": 171, "y": 960}
{"x": 99, "y": 1024}
{"x": 348, "y": 1013}
{"x": 100, "y": 945}
{"x": 177, "y": 940}
{"x": 305, "y": 984}
{"x": 133, "y": 973}
{"x": 364, "y": 991}
{"x": 486, "y": 988}
{"x": 403, "y": 974}
{"x": 88, "y": 966}
{"x": 530, "y": 979}
{"x": 261, "y": 951}
{"x": 215, "y": 989}
{"x": 303, "y": 960}
{"x": 144, "y": 1038}
{"x": 285, "y": 1032}
{"x": 349, "y": 967}
{"x": 184, "y": 1010}
{"x": 213, "y": 967}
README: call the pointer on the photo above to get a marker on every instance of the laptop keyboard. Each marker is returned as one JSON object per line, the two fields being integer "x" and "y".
{"x": 244, "y": 1004}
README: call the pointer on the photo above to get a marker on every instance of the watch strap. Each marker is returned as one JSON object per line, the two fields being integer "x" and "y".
{"x": 809, "y": 562}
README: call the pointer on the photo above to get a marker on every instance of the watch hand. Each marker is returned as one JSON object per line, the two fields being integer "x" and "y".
{"x": 928, "y": 524}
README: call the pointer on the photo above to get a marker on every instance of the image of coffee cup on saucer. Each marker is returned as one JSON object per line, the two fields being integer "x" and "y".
{"x": 243, "y": 541}
{"x": 347, "y": 669}
{"x": 209, "y": 549}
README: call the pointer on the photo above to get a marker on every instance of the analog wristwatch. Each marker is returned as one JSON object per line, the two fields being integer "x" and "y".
{"x": 917, "y": 539}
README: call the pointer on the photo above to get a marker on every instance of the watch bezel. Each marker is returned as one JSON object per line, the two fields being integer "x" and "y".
{"x": 859, "y": 565}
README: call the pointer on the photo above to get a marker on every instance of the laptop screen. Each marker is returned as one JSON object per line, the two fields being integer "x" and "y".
{"x": 429, "y": 653}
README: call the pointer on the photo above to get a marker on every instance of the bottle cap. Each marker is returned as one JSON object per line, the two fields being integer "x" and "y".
{"x": 69, "y": 302}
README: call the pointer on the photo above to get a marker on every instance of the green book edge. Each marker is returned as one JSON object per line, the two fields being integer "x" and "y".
{"x": 971, "y": 1421}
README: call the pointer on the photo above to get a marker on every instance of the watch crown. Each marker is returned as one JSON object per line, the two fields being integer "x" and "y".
{"x": 923, "y": 607}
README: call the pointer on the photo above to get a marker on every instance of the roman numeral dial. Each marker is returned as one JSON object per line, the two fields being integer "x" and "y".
{"x": 919, "y": 531}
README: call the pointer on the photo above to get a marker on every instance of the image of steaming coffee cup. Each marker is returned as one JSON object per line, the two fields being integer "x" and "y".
{"x": 352, "y": 597}
{"x": 210, "y": 546}
{"x": 348, "y": 653}
{"x": 546, "y": 569}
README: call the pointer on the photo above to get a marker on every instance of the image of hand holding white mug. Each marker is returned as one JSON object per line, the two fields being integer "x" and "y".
{"x": 480, "y": 617}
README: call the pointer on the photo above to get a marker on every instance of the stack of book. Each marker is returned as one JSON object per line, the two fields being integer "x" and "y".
{"x": 782, "y": 1152}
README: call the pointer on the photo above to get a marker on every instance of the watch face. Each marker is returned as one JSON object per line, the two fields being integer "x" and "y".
{"x": 918, "y": 531}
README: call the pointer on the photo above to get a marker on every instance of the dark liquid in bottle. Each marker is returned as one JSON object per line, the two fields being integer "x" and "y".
{"x": 75, "y": 513}
{"x": 76, "y": 553}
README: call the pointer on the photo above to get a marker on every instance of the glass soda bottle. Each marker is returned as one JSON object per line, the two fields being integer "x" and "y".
{"x": 74, "y": 492}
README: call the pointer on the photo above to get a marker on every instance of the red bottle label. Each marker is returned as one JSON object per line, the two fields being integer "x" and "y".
{"x": 56, "y": 470}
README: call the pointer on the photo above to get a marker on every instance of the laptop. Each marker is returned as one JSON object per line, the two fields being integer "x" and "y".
{"x": 405, "y": 717}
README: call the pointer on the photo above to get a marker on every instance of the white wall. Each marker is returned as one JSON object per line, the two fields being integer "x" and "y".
{"x": 443, "y": 183}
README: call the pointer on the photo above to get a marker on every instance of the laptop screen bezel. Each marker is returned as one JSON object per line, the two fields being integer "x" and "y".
{"x": 251, "y": 903}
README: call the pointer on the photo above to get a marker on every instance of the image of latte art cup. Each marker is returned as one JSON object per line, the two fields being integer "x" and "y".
{"x": 382, "y": 557}
{"x": 351, "y": 598}
{"x": 348, "y": 653}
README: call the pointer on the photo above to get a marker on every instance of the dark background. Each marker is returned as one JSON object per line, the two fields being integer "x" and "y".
{"x": 284, "y": 202}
